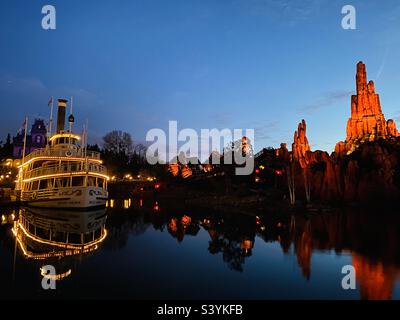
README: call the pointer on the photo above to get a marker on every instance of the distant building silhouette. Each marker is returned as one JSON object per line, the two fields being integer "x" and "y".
{"x": 35, "y": 140}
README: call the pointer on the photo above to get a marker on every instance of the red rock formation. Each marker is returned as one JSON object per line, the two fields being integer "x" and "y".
{"x": 367, "y": 122}
{"x": 367, "y": 119}
{"x": 391, "y": 128}
{"x": 245, "y": 145}
{"x": 300, "y": 145}
{"x": 371, "y": 174}
{"x": 340, "y": 148}
{"x": 325, "y": 180}
{"x": 180, "y": 167}
{"x": 173, "y": 168}
{"x": 283, "y": 153}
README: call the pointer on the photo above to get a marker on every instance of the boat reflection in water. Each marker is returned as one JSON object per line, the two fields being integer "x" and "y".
{"x": 265, "y": 256}
{"x": 52, "y": 235}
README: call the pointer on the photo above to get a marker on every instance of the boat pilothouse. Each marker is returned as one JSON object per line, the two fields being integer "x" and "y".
{"x": 64, "y": 174}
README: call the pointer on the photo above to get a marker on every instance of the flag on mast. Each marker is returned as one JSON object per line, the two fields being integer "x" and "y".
{"x": 50, "y": 128}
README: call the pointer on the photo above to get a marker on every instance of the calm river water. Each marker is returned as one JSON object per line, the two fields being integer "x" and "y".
{"x": 142, "y": 250}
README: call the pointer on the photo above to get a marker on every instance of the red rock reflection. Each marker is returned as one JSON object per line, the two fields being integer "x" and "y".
{"x": 376, "y": 280}
{"x": 372, "y": 242}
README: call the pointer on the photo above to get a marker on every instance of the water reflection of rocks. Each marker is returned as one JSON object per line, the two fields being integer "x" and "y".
{"x": 371, "y": 240}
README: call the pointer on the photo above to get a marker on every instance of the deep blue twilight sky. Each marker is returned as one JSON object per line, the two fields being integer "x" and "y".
{"x": 262, "y": 64}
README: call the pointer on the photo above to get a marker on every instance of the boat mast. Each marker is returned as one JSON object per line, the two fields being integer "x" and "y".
{"x": 70, "y": 114}
{"x": 21, "y": 175}
{"x": 85, "y": 146}
{"x": 51, "y": 117}
{"x": 25, "y": 130}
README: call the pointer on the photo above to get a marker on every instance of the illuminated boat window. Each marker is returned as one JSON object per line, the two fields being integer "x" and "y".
{"x": 97, "y": 233}
{"x": 35, "y": 185}
{"x": 91, "y": 181}
{"x": 42, "y": 233}
{"x": 87, "y": 237}
{"x": 100, "y": 182}
{"x": 62, "y": 182}
{"x": 74, "y": 238}
{"x": 31, "y": 228}
{"x": 77, "y": 181}
{"x": 58, "y": 236}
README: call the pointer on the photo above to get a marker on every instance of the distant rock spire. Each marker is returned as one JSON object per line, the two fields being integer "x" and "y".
{"x": 300, "y": 144}
{"x": 367, "y": 122}
{"x": 361, "y": 78}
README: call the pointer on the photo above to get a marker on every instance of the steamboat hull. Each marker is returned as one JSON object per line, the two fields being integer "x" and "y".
{"x": 76, "y": 198}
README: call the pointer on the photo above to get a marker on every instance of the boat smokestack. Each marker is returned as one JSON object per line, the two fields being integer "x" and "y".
{"x": 62, "y": 106}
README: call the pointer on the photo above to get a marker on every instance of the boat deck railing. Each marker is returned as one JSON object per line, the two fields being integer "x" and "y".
{"x": 30, "y": 195}
{"x": 39, "y": 194}
{"x": 65, "y": 168}
{"x": 63, "y": 152}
